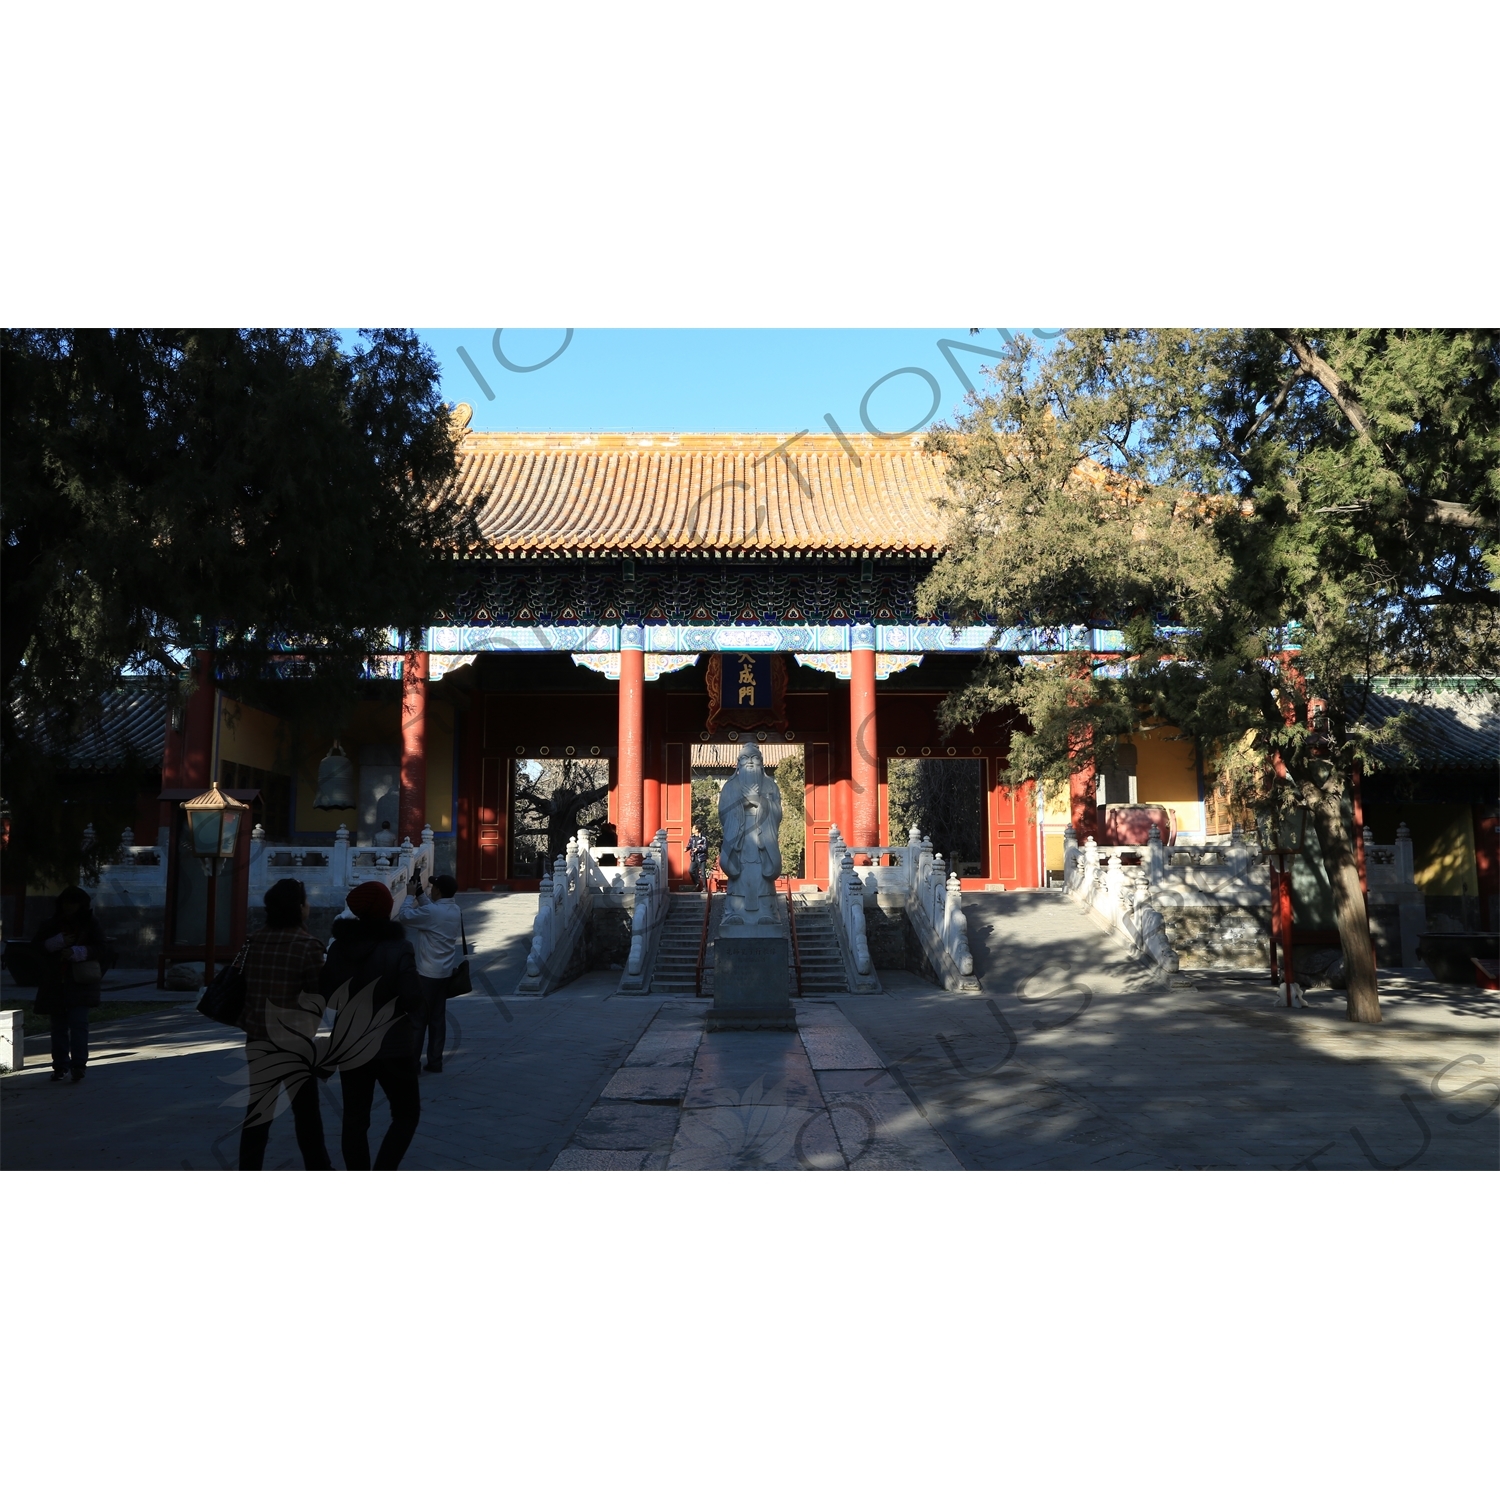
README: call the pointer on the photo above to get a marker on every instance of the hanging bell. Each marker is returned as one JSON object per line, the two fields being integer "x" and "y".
{"x": 336, "y": 780}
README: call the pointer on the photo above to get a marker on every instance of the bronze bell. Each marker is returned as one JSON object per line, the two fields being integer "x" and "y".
{"x": 336, "y": 780}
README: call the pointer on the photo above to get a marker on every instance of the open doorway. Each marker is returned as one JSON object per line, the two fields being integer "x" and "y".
{"x": 945, "y": 799}
{"x": 550, "y": 801}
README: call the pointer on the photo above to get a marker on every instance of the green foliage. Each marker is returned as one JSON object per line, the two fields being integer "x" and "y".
{"x": 943, "y": 798}
{"x": 706, "y": 815}
{"x": 1271, "y": 517}
{"x": 791, "y": 778}
{"x": 1225, "y": 498}
{"x": 265, "y": 489}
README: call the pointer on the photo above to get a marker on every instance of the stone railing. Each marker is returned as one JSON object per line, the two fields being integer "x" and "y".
{"x": 135, "y": 877}
{"x": 328, "y": 872}
{"x": 577, "y": 885}
{"x": 920, "y": 880}
{"x": 846, "y": 894}
{"x": 1139, "y": 890}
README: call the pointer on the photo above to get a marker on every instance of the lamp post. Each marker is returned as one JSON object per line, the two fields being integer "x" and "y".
{"x": 214, "y": 821}
{"x": 1281, "y": 835}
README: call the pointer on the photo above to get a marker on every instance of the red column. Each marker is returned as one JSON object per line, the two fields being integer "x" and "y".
{"x": 171, "y": 750}
{"x": 864, "y": 765}
{"x": 843, "y": 797}
{"x": 1083, "y": 794}
{"x": 413, "y": 746}
{"x": 632, "y": 794}
{"x": 1359, "y": 830}
{"x": 1486, "y": 861}
{"x": 652, "y": 780}
{"x": 195, "y": 767}
{"x": 470, "y": 733}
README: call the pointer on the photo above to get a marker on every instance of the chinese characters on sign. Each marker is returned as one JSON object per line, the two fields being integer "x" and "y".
{"x": 746, "y": 690}
{"x": 752, "y": 678}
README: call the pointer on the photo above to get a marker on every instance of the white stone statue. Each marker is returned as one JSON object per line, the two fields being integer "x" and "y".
{"x": 750, "y": 813}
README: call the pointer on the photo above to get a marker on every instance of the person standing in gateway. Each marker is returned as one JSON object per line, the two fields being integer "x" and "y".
{"x": 435, "y": 925}
{"x": 370, "y": 949}
{"x": 697, "y": 850}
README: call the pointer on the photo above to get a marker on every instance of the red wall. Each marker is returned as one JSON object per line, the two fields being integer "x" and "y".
{"x": 499, "y": 722}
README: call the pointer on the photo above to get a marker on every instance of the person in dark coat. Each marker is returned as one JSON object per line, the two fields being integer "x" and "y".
{"x": 370, "y": 947}
{"x": 74, "y": 955}
{"x": 280, "y": 963}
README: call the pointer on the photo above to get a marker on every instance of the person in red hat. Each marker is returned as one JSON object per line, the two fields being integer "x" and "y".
{"x": 368, "y": 947}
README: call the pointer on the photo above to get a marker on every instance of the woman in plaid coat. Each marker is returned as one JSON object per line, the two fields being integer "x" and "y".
{"x": 280, "y": 963}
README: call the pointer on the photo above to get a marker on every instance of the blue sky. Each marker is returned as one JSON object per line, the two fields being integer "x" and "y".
{"x": 706, "y": 380}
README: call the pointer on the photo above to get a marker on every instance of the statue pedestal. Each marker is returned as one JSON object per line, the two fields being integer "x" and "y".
{"x": 751, "y": 989}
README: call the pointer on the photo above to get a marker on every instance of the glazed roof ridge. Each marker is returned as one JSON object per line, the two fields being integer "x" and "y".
{"x": 697, "y": 492}
{"x": 688, "y": 441}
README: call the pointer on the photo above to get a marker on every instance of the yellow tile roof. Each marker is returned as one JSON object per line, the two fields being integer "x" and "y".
{"x": 703, "y": 493}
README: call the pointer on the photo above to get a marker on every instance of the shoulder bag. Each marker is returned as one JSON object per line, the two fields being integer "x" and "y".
{"x": 459, "y": 982}
{"x": 224, "y": 999}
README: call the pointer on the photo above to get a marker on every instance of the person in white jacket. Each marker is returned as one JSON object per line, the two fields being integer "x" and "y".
{"x": 434, "y": 924}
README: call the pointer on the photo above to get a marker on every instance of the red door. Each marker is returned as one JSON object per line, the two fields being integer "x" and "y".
{"x": 676, "y": 809}
{"x": 819, "y": 812}
{"x": 1012, "y": 834}
{"x": 493, "y": 787}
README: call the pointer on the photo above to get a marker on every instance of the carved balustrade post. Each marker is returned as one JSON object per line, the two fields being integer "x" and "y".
{"x": 1405, "y": 863}
{"x": 1155, "y": 862}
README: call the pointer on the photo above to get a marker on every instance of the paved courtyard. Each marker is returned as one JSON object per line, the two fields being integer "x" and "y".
{"x": 1071, "y": 1057}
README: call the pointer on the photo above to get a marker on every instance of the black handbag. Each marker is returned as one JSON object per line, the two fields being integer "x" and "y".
{"x": 459, "y": 982}
{"x": 224, "y": 999}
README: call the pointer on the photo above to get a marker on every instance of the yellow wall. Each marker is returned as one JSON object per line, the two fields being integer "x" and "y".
{"x": 1442, "y": 840}
{"x": 368, "y": 724}
{"x": 380, "y": 724}
{"x": 1057, "y": 810}
{"x": 252, "y": 737}
{"x": 1167, "y": 772}
{"x": 440, "y": 766}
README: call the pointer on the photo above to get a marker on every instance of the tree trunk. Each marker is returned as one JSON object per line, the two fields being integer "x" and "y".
{"x": 1349, "y": 909}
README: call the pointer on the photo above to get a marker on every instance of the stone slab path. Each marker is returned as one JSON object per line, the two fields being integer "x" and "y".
{"x": 818, "y": 1099}
{"x": 1070, "y": 1057}
{"x": 1074, "y": 1057}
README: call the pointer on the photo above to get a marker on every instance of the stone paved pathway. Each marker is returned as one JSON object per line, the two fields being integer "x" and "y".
{"x": 1073, "y": 1057}
{"x": 1070, "y": 1057}
{"x": 818, "y": 1099}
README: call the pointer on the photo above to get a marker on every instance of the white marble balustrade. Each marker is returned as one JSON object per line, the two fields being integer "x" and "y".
{"x": 913, "y": 874}
{"x": 577, "y": 884}
{"x": 1130, "y": 886}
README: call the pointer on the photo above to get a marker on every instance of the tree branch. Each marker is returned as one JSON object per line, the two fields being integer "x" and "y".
{"x": 1276, "y": 404}
{"x": 1315, "y": 365}
{"x": 1490, "y": 598}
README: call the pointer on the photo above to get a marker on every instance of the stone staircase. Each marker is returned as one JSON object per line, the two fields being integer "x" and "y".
{"x": 677, "y": 957}
{"x": 822, "y": 963}
{"x": 676, "y": 966}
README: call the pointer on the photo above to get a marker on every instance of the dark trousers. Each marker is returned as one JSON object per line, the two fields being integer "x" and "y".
{"x": 398, "y": 1077}
{"x": 70, "y": 1037}
{"x": 308, "y": 1120}
{"x": 696, "y": 872}
{"x": 431, "y": 1021}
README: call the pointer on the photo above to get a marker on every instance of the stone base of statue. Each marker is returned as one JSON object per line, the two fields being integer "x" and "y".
{"x": 751, "y": 988}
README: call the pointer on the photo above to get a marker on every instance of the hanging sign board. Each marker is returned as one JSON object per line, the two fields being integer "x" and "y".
{"x": 746, "y": 690}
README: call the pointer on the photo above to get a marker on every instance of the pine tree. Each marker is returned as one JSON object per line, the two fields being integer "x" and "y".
{"x": 1271, "y": 518}
{"x": 267, "y": 490}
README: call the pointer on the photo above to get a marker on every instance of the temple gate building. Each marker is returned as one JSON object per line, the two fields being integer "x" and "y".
{"x": 644, "y": 604}
{"x": 629, "y": 578}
